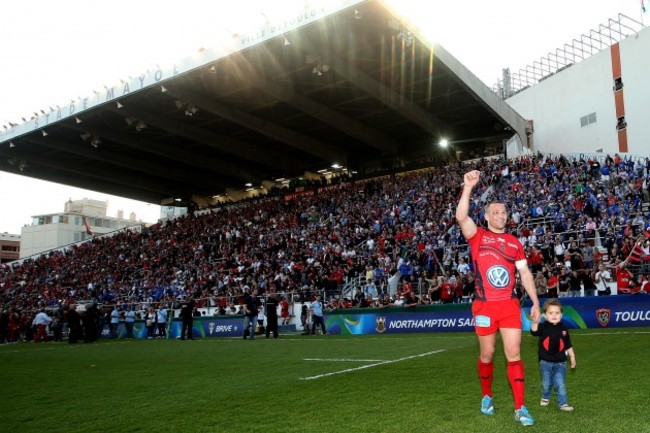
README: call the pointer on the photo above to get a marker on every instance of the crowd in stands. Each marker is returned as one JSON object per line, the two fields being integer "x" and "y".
{"x": 395, "y": 236}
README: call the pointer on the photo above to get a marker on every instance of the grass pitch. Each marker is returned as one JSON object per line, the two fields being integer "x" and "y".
{"x": 387, "y": 383}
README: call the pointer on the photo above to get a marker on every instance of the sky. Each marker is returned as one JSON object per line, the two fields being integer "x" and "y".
{"x": 51, "y": 52}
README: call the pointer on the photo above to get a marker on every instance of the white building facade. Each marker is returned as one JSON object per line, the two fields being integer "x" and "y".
{"x": 597, "y": 105}
{"x": 81, "y": 220}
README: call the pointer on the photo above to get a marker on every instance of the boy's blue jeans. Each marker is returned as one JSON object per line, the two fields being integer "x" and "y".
{"x": 554, "y": 374}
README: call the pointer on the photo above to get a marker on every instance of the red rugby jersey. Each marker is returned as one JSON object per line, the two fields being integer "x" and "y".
{"x": 494, "y": 256}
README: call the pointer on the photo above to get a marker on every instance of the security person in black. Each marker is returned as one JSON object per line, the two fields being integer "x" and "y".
{"x": 251, "y": 308}
{"x": 74, "y": 325}
{"x": 90, "y": 321}
{"x": 187, "y": 314}
{"x": 271, "y": 309}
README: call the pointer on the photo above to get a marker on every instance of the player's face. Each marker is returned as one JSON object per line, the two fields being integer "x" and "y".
{"x": 496, "y": 217}
{"x": 553, "y": 314}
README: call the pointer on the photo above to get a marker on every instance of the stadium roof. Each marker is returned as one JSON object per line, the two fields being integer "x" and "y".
{"x": 351, "y": 83}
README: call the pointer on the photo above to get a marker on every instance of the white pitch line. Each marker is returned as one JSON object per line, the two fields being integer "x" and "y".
{"x": 591, "y": 334}
{"x": 371, "y": 365}
{"x": 342, "y": 360}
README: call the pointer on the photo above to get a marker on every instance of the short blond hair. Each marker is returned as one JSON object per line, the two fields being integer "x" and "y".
{"x": 487, "y": 206}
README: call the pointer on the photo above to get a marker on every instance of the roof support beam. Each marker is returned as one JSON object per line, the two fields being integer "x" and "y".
{"x": 389, "y": 97}
{"x": 273, "y": 88}
{"x": 239, "y": 148}
{"x": 57, "y": 176}
{"x": 106, "y": 175}
{"x": 205, "y": 162}
{"x": 292, "y": 138}
{"x": 334, "y": 119}
{"x": 170, "y": 172}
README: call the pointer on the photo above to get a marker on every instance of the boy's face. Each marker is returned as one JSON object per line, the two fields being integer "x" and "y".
{"x": 553, "y": 314}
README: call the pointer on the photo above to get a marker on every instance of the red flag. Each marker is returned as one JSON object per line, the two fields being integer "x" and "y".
{"x": 637, "y": 254}
{"x": 89, "y": 231}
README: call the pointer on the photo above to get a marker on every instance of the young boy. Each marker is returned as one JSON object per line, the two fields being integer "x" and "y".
{"x": 554, "y": 347}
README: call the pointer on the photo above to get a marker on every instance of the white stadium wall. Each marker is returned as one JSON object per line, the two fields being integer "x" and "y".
{"x": 635, "y": 63}
{"x": 557, "y": 104}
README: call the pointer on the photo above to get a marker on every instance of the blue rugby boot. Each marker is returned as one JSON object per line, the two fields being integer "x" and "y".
{"x": 486, "y": 405}
{"x": 524, "y": 417}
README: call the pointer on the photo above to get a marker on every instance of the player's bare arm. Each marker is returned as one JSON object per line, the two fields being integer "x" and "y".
{"x": 467, "y": 225}
{"x": 528, "y": 282}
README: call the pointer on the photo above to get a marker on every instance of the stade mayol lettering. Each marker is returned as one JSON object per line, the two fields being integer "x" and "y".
{"x": 273, "y": 28}
{"x": 85, "y": 103}
{"x": 157, "y": 75}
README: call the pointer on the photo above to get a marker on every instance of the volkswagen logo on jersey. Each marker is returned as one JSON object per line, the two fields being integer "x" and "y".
{"x": 498, "y": 276}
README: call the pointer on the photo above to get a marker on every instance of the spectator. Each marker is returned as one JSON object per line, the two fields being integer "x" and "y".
{"x": 564, "y": 283}
{"x": 447, "y": 291}
{"x": 588, "y": 254}
{"x": 284, "y": 311}
{"x": 304, "y": 319}
{"x": 41, "y": 322}
{"x": 463, "y": 267}
{"x": 574, "y": 283}
{"x": 129, "y": 321}
{"x": 552, "y": 284}
{"x": 587, "y": 280}
{"x": 150, "y": 322}
{"x": 469, "y": 287}
{"x": 535, "y": 259}
{"x": 161, "y": 320}
{"x": 115, "y": 320}
{"x": 408, "y": 297}
{"x": 541, "y": 285}
{"x": 626, "y": 283}
{"x": 558, "y": 249}
{"x": 433, "y": 290}
{"x": 261, "y": 314}
{"x": 602, "y": 280}
{"x": 14, "y": 326}
{"x": 317, "y": 316}
{"x": 575, "y": 256}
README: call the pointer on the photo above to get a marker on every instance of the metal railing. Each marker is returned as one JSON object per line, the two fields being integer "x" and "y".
{"x": 586, "y": 45}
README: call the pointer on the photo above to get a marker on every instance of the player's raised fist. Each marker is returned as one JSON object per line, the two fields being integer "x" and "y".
{"x": 471, "y": 178}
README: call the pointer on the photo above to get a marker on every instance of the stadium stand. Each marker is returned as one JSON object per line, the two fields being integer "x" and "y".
{"x": 381, "y": 241}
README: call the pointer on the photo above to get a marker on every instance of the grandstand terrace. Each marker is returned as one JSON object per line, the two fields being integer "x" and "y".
{"x": 319, "y": 243}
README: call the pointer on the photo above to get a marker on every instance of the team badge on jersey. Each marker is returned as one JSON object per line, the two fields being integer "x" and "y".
{"x": 498, "y": 276}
